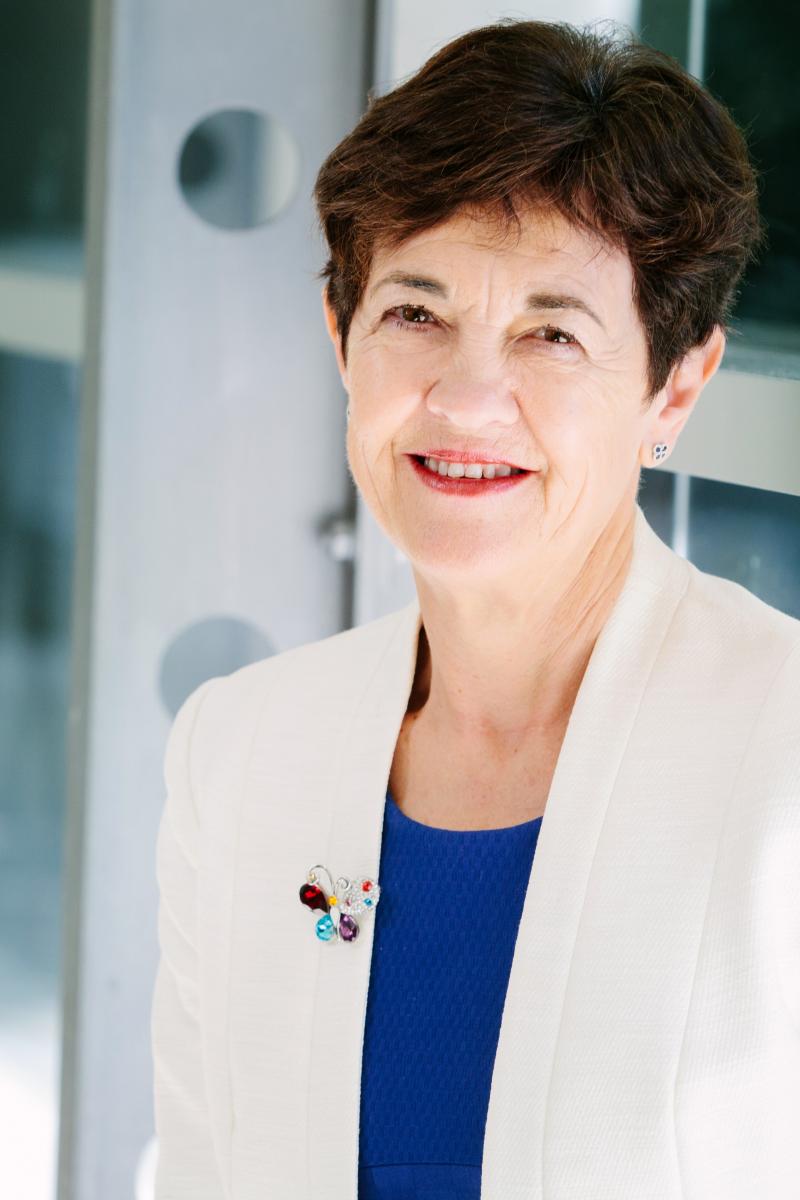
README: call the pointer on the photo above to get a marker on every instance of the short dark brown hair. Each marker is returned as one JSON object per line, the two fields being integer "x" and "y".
{"x": 613, "y": 134}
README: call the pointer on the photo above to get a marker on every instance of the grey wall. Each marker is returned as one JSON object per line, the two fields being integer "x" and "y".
{"x": 212, "y": 450}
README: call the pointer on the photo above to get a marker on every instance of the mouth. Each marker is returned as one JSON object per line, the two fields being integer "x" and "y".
{"x": 466, "y": 485}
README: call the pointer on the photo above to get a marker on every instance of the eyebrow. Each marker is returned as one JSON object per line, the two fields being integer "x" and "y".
{"x": 535, "y": 301}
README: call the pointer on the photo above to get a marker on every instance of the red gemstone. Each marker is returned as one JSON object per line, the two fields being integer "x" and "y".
{"x": 366, "y": 885}
{"x": 313, "y": 897}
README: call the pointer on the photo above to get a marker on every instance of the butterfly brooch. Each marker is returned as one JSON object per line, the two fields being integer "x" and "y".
{"x": 348, "y": 899}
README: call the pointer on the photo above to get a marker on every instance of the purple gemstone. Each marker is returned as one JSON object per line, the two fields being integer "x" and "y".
{"x": 348, "y": 928}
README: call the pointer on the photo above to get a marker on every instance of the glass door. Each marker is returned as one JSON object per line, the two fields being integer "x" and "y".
{"x": 43, "y": 90}
{"x": 735, "y": 508}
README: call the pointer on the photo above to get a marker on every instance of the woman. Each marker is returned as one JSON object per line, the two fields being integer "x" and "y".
{"x": 563, "y": 783}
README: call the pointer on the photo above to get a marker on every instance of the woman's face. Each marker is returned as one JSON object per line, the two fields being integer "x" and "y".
{"x": 479, "y": 350}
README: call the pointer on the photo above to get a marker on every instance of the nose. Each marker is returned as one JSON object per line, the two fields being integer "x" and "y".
{"x": 473, "y": 400}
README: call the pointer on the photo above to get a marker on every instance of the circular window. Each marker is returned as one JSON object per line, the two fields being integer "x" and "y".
{"x": 238, "y": 168}
{"x": 209, "y": 647}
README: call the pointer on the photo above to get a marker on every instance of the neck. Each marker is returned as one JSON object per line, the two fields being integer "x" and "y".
{"x": 493, "y": 668}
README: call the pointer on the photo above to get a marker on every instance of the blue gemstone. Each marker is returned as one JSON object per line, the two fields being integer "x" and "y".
{"x": 325, "y": 928}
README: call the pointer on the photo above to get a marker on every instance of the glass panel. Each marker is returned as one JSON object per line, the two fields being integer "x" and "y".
{"x": 657, "y": 499}
{"x": 39, "y": 404}
{"x": 43, "y": 85}
{"x": 750, "y": 536}
{"x": 741, "y": 533}
{"x": 751, "y": 64}
{"x": 748, "y": 62}
{"x": 44, "y": 56}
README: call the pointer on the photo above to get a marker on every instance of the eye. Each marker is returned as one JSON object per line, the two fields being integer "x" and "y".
{"x": 564, "y": 338}
{"x": 407, "y": 321}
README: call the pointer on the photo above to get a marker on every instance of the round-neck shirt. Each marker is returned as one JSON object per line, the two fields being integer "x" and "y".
{"x": 445, "y": 931}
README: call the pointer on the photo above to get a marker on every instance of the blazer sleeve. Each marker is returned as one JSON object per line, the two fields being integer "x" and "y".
{"x": 187, "y": 1168}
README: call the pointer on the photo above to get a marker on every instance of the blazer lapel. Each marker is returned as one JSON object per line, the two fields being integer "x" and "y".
{"x": 586, "y": 775}
{"x": 286, "y": 1012}
{"x": 342, "y": 985}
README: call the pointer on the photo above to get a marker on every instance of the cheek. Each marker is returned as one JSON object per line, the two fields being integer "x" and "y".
{"x": 583, "y": 428}
{"x": 396, "y": 365}
{"x": 361, "y": 439}
{"x": 370, "y": 445}
{"x": 384, "y": 399}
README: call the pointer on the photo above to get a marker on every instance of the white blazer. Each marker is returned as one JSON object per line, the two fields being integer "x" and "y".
{"x": 650, "y": 1040}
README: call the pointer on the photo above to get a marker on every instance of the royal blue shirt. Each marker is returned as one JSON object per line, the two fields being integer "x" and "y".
{"x": 445, "y": 931}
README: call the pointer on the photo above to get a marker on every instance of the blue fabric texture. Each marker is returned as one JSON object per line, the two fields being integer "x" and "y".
{"x": 445, "y": 931}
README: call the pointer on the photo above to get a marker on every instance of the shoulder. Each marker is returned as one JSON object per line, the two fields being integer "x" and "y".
{"x": 732, "y": 619}
{"x": 738, "y": 608}
{"x": 333, "y": 666}
{"x": 742, "y": 654}
{"x": 223, "y": 713}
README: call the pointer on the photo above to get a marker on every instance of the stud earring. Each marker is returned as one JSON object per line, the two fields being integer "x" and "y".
{"x": 660, "y": 451}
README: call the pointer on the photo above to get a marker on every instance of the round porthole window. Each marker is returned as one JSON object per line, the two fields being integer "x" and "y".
{"x": 238, "y": 168}
{"x": 209, "y": 647}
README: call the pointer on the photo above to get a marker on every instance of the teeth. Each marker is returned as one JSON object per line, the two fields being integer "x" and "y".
{"x": 470, "y": 470}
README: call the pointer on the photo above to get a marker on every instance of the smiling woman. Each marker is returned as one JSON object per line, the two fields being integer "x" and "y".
{"x": 573, "y": 762}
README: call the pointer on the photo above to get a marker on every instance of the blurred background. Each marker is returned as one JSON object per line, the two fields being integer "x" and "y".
{"x": 164, "y": 516}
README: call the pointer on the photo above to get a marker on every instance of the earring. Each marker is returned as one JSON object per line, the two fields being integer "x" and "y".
{"x": 347, "y": 413}
{"x": 660, "y": 451}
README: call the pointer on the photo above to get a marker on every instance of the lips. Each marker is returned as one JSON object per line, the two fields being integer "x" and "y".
{"x": 463, "y": 485}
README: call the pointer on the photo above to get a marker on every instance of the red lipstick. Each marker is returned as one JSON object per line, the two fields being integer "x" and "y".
{"x": 463, "y": 486}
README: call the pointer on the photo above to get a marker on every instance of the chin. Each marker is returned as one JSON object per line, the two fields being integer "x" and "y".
{"x": 463, "y": 557}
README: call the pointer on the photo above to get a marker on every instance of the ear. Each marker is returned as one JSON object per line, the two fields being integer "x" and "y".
{"x": 673, "y": 407}
{"x": 333, "y": 333}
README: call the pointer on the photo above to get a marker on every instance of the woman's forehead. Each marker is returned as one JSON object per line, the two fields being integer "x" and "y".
{"x": 545, "y": 242}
